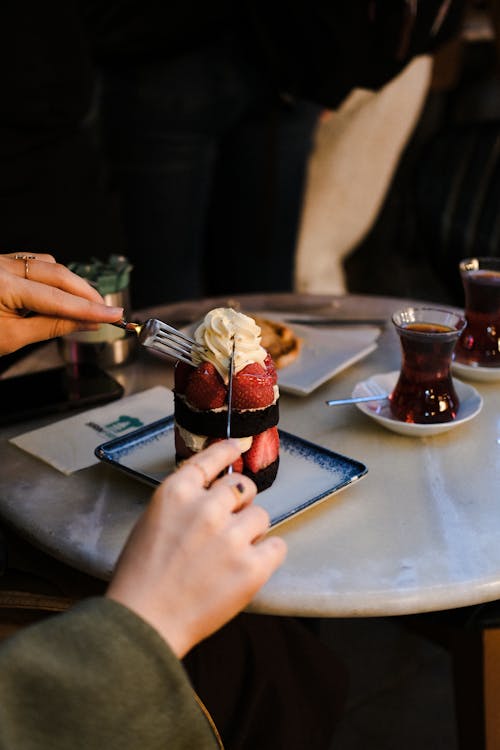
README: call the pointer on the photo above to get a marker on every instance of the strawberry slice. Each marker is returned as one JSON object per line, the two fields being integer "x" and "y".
{"x": 237, "y": 465}
{"x": 252, "y": 388}
{"x": 264, "y": 450}
{"x": 205, "y": 388}
{"x": 271, "y": 369}
{"x": 182, "y": 373}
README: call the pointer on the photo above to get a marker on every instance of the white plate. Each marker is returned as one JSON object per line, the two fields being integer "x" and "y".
{"x": 307, "y": 473}
{"x": 470, "y": 405}
{"x": 325, "y": 352}
{"x": 483, "y": 374}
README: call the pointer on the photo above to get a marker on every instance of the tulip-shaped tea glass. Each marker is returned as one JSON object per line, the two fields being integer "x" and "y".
{"x": 479, "y": 344}
{"x": 424, "y": 392}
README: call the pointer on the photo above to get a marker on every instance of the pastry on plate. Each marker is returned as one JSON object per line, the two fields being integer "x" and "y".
{"x": 201, "y": 395}
{"x": 279, "y": 340}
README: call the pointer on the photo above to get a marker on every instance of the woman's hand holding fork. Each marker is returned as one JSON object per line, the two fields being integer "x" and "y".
{"x": 62, "y": 301}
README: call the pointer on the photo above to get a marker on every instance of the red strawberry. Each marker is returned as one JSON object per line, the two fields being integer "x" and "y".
{"x": 182, "y": 373}
{"x": 252, "y": 388}
{"x": 264, "y": 450}
{"x": 205, "y": 388}
{"x": 271, "y": 369}
{"x": 237, "y": 465}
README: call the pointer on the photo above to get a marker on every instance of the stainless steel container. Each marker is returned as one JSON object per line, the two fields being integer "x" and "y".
{"x": 107, "y": 347}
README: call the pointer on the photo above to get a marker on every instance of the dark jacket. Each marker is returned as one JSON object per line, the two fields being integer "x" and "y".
{"x": 54, "y": 191}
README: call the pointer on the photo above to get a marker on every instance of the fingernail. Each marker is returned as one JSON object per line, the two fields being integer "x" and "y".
{"x": 117, "y": 310}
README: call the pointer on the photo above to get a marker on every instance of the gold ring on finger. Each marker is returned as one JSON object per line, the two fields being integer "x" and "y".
{"x": 26, "y": 259}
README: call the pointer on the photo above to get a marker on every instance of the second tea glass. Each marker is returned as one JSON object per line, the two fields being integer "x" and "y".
{"x": 424, "y": 392}
{"x": 479, "y": 344}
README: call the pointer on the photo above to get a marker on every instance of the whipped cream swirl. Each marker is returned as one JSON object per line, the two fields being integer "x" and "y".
{"x": 216, "y": 334}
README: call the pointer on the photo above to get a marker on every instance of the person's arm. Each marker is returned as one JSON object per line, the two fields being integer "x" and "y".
{"x": 107, "y": 674}
{"x": 197, "y": 556}
{"x": 97, "y": 676}
{"x": 62, "y": 301}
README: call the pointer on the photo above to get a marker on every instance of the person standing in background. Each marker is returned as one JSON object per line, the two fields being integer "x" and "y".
{"x": 180, "y": 136}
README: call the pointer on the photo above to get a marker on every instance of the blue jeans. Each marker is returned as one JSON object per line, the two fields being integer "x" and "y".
{"x": 208, "y": 165}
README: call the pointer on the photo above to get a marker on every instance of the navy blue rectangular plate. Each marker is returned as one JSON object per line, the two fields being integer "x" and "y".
{"x": 307, "y": 474}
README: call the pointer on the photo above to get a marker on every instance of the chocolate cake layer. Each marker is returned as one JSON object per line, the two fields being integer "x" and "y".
{"x": 263, "y": 478}
{"x": 214, "y": 424}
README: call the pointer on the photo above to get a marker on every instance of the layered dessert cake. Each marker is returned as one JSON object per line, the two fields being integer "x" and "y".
{"x": 201, "y": 395}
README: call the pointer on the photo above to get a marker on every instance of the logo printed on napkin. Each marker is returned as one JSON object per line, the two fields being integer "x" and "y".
{"x": 69, "y": 444}
{"x": 119, "y": 427}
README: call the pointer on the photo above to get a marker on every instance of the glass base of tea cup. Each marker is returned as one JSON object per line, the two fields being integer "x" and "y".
{"x": 446, "y": 411}
{"x": 424, "y": 397}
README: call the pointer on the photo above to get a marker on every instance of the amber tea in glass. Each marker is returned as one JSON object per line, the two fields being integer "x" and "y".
{"x": 425, "y": 392}
{"x": 479, "y": 344}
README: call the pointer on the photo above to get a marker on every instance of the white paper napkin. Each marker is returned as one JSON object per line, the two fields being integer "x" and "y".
{"x": 68, "y": 445}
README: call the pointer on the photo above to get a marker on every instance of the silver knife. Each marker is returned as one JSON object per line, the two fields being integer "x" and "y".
{"x": 328, "y": 321}
{"x": 230, "y": 400}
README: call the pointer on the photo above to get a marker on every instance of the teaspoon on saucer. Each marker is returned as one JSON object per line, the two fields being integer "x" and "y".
{"x": 356, "y": 400}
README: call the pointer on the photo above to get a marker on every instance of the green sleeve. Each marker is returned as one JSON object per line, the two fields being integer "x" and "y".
{"x": 100, "y": 677}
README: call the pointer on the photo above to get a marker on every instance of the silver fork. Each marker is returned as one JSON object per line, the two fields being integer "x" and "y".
{"x": 376, "y": 394}
{"x": 162, "y": 338}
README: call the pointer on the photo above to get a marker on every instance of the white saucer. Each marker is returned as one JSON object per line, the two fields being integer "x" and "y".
{"x": 470, "y": 405}
{"x": 471, "y": 372}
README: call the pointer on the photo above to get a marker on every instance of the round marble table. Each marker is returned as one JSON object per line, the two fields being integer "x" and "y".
{"x": 419, "y": 533}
